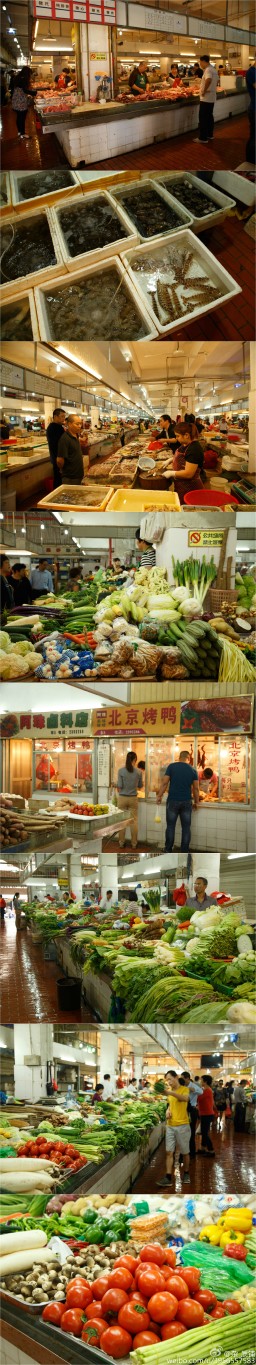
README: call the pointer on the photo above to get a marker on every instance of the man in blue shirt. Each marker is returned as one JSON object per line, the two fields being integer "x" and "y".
{"x": 182, "y": 781}
{"x": 41, "y": 579}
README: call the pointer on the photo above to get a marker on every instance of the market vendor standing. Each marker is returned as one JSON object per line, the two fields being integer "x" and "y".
{"x": 200, "y": 901}
{"x": 70, "y": 458}
{"x": 129, "y": 782}
{"x": 54, "y": 431}
{"x": 188, "y": 461}
{"x": 6, "y": 592}
{"x": 138, "y": 80}
{"x": 208, "y": 90}
{"x": 167, "y": 429}
{"x": 181, "y": 781}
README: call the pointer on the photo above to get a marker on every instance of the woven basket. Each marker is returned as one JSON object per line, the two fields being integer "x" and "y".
{"x": 219, "y": 595}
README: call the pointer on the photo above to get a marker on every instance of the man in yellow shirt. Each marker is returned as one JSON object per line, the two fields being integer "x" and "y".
{"x": 177, "y": 1127}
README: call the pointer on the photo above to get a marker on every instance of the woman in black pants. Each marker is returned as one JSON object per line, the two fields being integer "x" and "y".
{"x": 20, "y": 99}
{"x": 206, "y": 1110}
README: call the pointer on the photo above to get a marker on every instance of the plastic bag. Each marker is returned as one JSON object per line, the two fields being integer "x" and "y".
{"x": 153, "y": 526}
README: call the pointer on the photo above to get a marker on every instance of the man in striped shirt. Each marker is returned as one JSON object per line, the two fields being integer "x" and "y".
{"x": 146, "y": 552}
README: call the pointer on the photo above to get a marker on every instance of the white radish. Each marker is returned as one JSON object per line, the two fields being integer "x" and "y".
{"x": 22, "y": 1260}
{"x": 29, "y": 1180}
{"x": 21, "y": 1241}
{"x": 24, "y": 1163}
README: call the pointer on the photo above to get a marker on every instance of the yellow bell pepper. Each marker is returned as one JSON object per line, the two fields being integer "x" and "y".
{"x": 239, "y": 1219}
{"x": 231, "y": 1236}
{"x": 211, "y": 1233}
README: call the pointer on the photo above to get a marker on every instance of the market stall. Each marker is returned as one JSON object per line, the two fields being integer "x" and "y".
{"x": 183, "y": 618}
{"x": 220, "y": 739}
{"x": 187, "y": 1281}
{"x": 105, "y": 233}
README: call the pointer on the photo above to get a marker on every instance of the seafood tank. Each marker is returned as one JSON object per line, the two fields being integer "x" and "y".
{"x": 16, "y": 321}
{"x": 190, "y": 197}
{"x": 175, "y": 281}
{"x": 3, "y": 190}
{"x": 88, "y": 226}
{"x": 96, "y": 306}
{"x": 26, "y": 247}
{"x": 149, "y": 212}
{"x": 43, "y": 182}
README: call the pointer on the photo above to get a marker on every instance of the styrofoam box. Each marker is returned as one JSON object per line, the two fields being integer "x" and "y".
{"x": 19, "y": 299}
{"x": 213, "y": 270}
{"x": 98, "y": 253}
{"x": 143, "y": 311}
{"x": 185, "y": 217}
{"x": 48, "y": 198}
{"x": 18, "y": 285}
{"x": 5, "y": 189}
{"x": 219, "y": 204}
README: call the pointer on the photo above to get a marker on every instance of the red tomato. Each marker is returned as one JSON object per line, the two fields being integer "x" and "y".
{"x": 145, "y": 1339}
{"x": 170, "y": 1257}
{"x": 138, "y": 1298}
{"x": 232, "y": 1306}
{"x": 53, "y": 1312}
{"x": 218, "y": 1312}
{"x": 153, "y": 1253}
{"x": 121, "y": 1278}
{"x": 94, "y": 1310}
{"x": 116, "y": 1342}
{"x": 192, "y": 1278}
{"x": 133, "y": 1316}
{"x": 206, "y": 1298}
{"x": 78, "y": 1297}
{"x": 113, "y": 1300}
{"x": 100, "y": 1286}
{"x": 175, "y": 1285}
{"x": 92, "y": 1331}
{"x": 129, "y": 1262}
{"x": 190, "y": 1313}
{"x": 77, "y": 1282}
{"x": 73, "y": 1321}
{"x": 166, "y": 1271}
{"x": 163, "y": 1307}
{"x": 172, "y": 1329}
{"x": 150, "y": 1281}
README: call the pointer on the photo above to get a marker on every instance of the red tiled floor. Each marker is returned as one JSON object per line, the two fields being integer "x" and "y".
{"x": 233, "y": 1169}
{"x": 27, "y": 983}
{"x": 40, "y": 150}
{"x": 227, "y": 150}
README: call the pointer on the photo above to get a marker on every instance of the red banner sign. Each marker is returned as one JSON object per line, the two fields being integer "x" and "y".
{"x": 79, "y": 11}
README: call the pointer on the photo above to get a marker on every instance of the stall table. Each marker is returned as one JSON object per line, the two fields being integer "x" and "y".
{"x": 25, "y": 468}
{"x": 91, "y": 133}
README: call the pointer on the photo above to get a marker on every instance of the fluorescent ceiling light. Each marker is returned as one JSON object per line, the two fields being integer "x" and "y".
{"x": 78, "y": 363}
{"x": 231, "y": 856}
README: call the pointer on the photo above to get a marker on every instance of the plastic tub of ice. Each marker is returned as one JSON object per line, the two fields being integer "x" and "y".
{"x": 43, "y": 186}
{"x": 179, "y": 280}
{"x": 18, "y": 320}
{"x": 98, "y": 302}
{"x": 205, "y": 204}
{"x": 92, "y": 227}
{"x": 30, "y": 249}
{"x": 155, "y": 212}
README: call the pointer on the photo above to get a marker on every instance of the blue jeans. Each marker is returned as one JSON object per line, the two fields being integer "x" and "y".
{"x": 184, "y": 810}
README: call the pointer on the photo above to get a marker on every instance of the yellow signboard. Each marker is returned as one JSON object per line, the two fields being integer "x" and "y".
{"x": 162, "y": 718}
{"x": 205, "y": 538}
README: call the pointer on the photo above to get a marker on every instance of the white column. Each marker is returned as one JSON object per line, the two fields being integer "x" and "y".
{"x": 207, "y": 865}
{"x": 109, "y": 1056}
{"x": 252, "y": 408}
{"x": 31, "y": 1041}
{"x": 49, "y": 405}
{"x": 108, "y": 873}
{"x": 245, "y": 47}
{"x": 75, "y": 874}
{"x": 138, "y": 1065}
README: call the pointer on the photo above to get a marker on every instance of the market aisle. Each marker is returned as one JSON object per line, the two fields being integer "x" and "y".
{"x": 27, "y": 983}
{"x": 233, "y": 1169}
{"x": 179, "y": 153}
{"x": 37, "y": 151}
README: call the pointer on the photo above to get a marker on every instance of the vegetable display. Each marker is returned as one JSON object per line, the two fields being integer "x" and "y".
{"x": 146, "y": 627}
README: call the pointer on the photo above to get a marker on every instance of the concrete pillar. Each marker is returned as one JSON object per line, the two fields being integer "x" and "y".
{"x": 207, "y": 865}
{"x": 108, "y": 1056}
{"x": 75, "y": 874}
{"x": 49, "y": 405}
{"x": 138, "y": 1065}
{"x": 245, "y": 47}
{"x": 31, "y": 1041}
{"x": 108, "y": 873}
{"x": 252, "y": 408}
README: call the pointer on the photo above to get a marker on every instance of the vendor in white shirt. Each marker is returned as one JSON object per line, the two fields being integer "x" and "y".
{"x": 109, "y": 1088}
{"x": 107, "y": 901}
{"x": 208, "y": 90}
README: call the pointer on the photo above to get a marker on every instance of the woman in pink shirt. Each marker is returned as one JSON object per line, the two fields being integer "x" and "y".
{"x": 205, "y": 1105}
